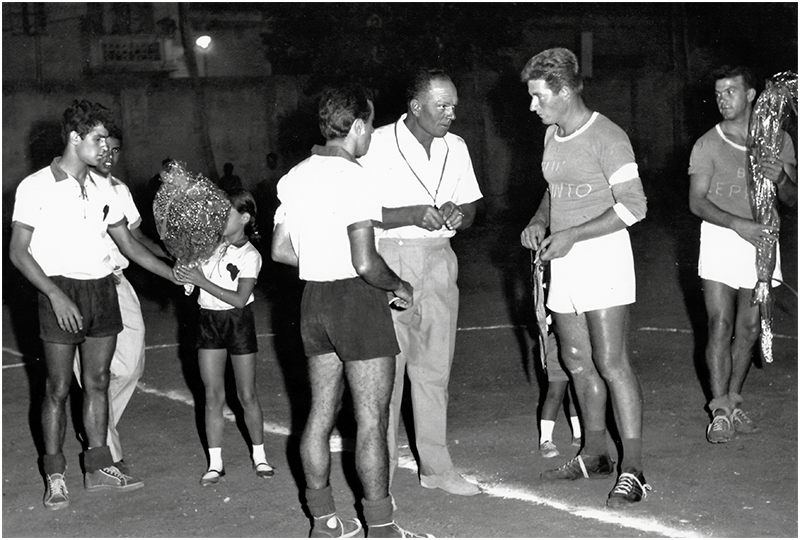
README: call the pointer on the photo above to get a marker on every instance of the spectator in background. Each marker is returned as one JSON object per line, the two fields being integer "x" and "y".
{"x": 229, "y": 182}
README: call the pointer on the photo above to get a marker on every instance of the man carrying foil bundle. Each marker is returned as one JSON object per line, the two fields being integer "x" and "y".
{"x": 729, "y": 238}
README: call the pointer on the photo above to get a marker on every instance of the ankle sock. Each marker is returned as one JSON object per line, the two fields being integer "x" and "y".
{"x": 97, "y": 458}
{"x": 54, "y": 464}
{"x": 259, "y": 456}
{"x": 320, "y": 502}
{"x": 575, "y": 423}
{"x": 546, "y": 430}
{"x": 378, "y": 512}
{"x": 215, "y": 459}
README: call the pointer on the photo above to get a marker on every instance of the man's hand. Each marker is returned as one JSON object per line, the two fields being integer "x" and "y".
{"x": 533, "y": 234}
{"x": 556, "y": 245}
{"x": 759, "y": 235}
{"x": 772, "y": 169}
{"x": 452, "y": 215}
{"x": 194, "y": 275}
{"x": 67, "y": 314}
{"x": 403, "y": 296}
{"x": 428, "y": 217}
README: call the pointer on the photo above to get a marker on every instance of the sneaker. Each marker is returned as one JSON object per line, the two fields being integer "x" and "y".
{"x": 333, "y": 527}
{"x": 576, "y": 441}
{"x": 720, "y": 430}
{"x": 742, "y": 423}
{"x": 630, "y": 489}
{"x": 548, "y": 449}
{"x": 451, "y": 482}
{"x": 56, "y": 496}
{"x": 110, "y": 478}
{"x": 581, "y": 467}
{"x": 392, "y": 530}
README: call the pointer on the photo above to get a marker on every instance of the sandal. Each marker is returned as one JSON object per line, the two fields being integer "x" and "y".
{"x": 264, "y": 470}
{"x": 211, "y": 477}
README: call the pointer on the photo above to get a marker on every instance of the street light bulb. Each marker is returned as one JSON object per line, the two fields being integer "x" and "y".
{"x": 204, "y": 42}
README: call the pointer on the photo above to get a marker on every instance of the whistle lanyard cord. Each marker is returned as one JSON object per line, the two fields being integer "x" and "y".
{"x": 441, "y": 176}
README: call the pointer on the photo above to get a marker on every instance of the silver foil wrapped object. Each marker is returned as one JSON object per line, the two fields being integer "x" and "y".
{"x": 764, "y": 141}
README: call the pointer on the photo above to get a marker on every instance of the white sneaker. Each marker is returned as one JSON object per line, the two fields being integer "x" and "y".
{"x": 548, "y": 449}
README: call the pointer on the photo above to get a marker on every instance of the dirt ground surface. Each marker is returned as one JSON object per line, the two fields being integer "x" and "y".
{"x": 746, "y": 488}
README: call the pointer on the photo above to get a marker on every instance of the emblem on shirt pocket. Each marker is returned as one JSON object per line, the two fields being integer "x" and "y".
{"x": 233, "y": 270}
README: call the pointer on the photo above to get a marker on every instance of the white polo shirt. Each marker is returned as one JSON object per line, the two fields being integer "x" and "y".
{"x": 118, "y": 261}
{"x": 69, "y": 222}
{"x": 225, "y": 268}
{"x": 406, "y": 177}
{"x": 320, "y": 197}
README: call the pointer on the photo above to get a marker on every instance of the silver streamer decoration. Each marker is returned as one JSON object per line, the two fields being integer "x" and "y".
{"x": 191, "y": 213}
{"x": 765, "y": 140}
{"x": 537, "y": 285}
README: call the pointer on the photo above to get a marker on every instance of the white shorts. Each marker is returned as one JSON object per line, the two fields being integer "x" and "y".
{"x": 728, "y": 258}
{"x": 595, "y": 274}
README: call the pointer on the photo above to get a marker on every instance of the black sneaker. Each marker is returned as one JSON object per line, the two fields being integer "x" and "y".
{"x": 110, "y": 478}
{"x": 581, "y": 467}
{"x": 630, "y": 489}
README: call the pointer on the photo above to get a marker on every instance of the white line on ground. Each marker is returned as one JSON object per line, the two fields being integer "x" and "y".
{"x": 464, "y": 329}
{"x": 406, "y": 461}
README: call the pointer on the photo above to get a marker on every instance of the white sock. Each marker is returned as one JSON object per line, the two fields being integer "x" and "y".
{"x": 215, "y": 459}
{"x": 546, "y": 427}
{"x": 259, "y": 456}
{"x": 575, "y": 422}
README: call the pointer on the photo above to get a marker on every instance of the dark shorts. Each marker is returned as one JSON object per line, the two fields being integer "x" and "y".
{"x": 96, "y": 300}
{"x": 348, "y": 317}
{"x": 231, "y": 329}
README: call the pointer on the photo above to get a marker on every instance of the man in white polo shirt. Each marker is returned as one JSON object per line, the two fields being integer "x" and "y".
{"x": 127, "y": 365}
{"x": 61, "y": 214}
{"x": 429, "y": 192}
{"x": 324, "y": 226}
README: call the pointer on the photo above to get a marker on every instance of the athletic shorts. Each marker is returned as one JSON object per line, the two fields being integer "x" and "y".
{"x": 728, "y": 258}
{"x": 231, "y": 329}
{"x": 97, "y": 302}
{"x": 348, "y": 317}
{"x": 595, "y": 274}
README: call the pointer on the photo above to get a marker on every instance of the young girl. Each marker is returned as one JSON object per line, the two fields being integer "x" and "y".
{"x": 226, "y": 325}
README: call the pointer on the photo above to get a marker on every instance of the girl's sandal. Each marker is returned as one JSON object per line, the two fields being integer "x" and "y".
{"x": 211, "y": 477}
{"x": 264, "y": 470}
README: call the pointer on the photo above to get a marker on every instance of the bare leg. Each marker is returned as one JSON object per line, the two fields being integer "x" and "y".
{"x": 96, "y": 354}
{"x": 745, "y": 336}
{"x": 720, "y": 304}
{"x": 609, "y": 333}
{"x": 212, "y": 372}
{"x": 371, "y": 384}
{"x": 326, "y": 374}
{"x": 58, "y": 358}
{"x": 244, "y": 369}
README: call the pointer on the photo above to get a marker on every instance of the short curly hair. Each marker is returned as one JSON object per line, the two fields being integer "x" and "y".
{"x": 731, "y": 72}
{"x": 83, "y": 116}
{"x": 340, "y": 106}
{"x": 558, "y": 68}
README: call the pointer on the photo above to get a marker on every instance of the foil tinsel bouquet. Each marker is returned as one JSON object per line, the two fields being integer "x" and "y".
{"x": 765, "y": 140}
{"x": 190, "y": 213}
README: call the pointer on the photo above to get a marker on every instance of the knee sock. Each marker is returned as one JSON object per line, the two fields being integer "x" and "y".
{"x": 97, "y": 458}
{"x": 378, "y": 512}
{"x": 631, "y": 454}
{"x": 546, "y": 428}
{"x": 54, "y": 463}
{"x": 215, "y": 459}
{"x": 575, "y": 422}
{"x": 595, "y": 443}
{"x": 259, "y": 456}
{"x": 320, "y": 502}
